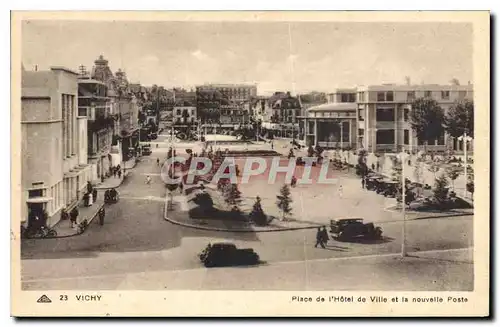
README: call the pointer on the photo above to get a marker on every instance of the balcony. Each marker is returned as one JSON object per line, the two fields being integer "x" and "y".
{"x": 100, "y": 123}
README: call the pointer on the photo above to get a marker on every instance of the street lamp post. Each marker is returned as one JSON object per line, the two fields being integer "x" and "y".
{"x": 403, "y": 198}
{"x": 465, "y": 138}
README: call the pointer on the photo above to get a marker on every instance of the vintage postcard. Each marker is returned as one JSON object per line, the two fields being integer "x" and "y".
{"x": 270, "y": 164}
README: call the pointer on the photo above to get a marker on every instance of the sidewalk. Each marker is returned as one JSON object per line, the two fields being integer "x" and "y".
{"x": 115, "y": 181}
{"x": 63, "y": 227}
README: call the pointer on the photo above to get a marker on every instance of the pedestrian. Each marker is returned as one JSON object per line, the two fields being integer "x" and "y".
{"x": 73, "y": 215}
{"x": 91, "y": 199}
{"x": 378, "y": 166}
{"x": 148, "y": 179}
{"x": 94, "y": 194}
{"x": 114, "y": 171}
{"x": 158, "y": 162}
{"x": 102, "y": 213}
{"x": 119, "y": 174}
{"x": 363, "y": 182}
{"x": 319, "y": 239}
{"x": 324, "y": 235}
{"x": 340, "y": 190}
{"x": 181, "y": 187}
{"x": 373, "y": 166}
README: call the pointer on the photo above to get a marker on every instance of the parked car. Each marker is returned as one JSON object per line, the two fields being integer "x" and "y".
{"x": 344, "y": 229}
{"x": 146, "y": 150}
{"x": 227, "y": 254}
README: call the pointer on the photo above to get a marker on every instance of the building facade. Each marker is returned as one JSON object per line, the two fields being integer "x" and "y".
{"x": 184, "y": 115}
{"x": 54, "y": 144}
{"x": 96, "y": 105}
{"x": 124, "y": 105}
{"x": 383, "y": 115}
{"x": 232, "y": 92}
{"x": 331, "y": 125}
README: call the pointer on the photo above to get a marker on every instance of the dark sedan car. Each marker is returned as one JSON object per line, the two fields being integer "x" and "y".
{"x": 227, "y": 254}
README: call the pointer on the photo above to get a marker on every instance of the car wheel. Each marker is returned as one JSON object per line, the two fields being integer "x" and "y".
{"x": 209, "y": 263}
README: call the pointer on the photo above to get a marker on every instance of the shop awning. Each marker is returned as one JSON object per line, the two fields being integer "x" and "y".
{"x": 39, "y": 199}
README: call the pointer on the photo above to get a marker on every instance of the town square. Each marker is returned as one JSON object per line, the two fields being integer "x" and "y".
{"x": 182, "y": 167}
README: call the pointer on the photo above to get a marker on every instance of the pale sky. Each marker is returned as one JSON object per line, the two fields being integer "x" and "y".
{"x": 324, "y": 55}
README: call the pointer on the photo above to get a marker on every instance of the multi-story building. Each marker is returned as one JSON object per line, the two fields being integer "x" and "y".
{"x": 184, "y": 115}
{"x": 124, "y": 103}
{"x": 331, "y": 125}
{"x": 234, "y": 114}
{"x": 383, "y": 115}
{"x": 232, "y": 92}
{"x": 377, "y": 117}
{"x": 54, "y": 144}
{"x": 284, "y": 107}
{"x": 95, "y": 103}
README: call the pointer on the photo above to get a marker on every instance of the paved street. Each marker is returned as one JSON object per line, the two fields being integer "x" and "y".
{"x": 137, "y": 248}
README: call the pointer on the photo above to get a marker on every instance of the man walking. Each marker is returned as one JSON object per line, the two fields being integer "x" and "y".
{"x": 319, "y": 238}
{"x": 158, "y": 162}
{"x": 324, "y": 235}
{"x": 148, "y": 179}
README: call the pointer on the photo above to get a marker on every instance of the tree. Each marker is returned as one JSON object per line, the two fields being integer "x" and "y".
{"x": 441, "y": 189}
{"x": 460, "y": 119}
{"x": 232, "y": 196}
{"x": 284, "y": 201}
{"x": 427, "y": 119}
{"x": 453, "y": 173}
{"x": 257, "y": 214}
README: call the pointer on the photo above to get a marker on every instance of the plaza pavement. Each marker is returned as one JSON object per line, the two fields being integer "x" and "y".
{"x": 137, "y": 249}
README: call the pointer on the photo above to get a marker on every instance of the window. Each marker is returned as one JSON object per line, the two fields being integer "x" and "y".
{"x": 427, "y": 94}
{"x": 361, "y": 96}
{"x": 386, "y": 114}
{"x": 361, "y": 114}
{"x": 385, "y": 136}
{"x": 389, "y": 96}
{"x": 410, "y": 96}
{"x": 445, "y": 95}
{"x": 406, "y": 114}
{"x": 361, "y": 132}
{"x": 406, "y": 137}
{"x": 35, "y": 193}
{"x": 380, "y": 96}
{"x": 178, "y": 112}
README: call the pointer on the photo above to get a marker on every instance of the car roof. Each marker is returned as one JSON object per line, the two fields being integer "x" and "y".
{"x": 349, "y": 219}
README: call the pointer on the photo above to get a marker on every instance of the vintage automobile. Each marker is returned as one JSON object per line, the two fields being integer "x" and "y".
{"x": 227, "y": 254}
{"x": 146, "y": 150}
{"x": 391, "y": 189}
{"x": 345, "y": 229}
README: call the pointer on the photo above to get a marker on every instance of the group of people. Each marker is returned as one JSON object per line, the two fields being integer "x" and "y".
{"x": 91, "y": 196}
{"x": 116, "y": 171}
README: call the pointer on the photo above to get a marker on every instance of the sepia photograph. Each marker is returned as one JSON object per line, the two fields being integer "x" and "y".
{"x": 317, "y": 154}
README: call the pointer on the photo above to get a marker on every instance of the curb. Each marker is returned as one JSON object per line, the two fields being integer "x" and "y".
{"x": 215, "y": 229}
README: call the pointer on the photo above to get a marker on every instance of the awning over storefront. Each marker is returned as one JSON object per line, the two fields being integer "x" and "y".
{"x": 39, "y": 199}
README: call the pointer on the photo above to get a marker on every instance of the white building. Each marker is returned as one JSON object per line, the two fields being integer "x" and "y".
{"x": 54, "y": 144}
